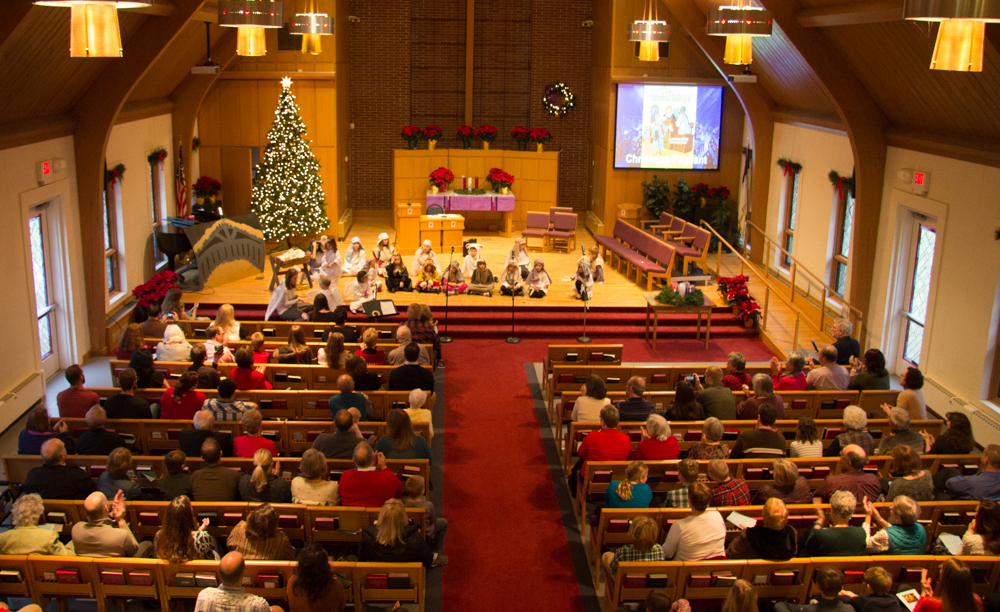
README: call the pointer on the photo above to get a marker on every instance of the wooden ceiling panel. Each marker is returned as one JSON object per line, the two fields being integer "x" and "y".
{"x": 171, "y": 68}
{"x": 787, "y": 76}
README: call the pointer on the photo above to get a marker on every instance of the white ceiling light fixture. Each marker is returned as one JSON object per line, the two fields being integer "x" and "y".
{"x": 94, "y": 28}
{"x": 312, "y": 27}
{"x": 250, "y": 17}
{"x": 650, "y": 34}
{"x": 739, "y": 24}
{"x": 961, "y": 29}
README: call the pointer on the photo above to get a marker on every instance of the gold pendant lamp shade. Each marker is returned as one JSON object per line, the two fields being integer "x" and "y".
{"x": 94, "y": 25}
{"x": 649, "y": 33}
{"x": 311, "y": 27}
{"x": 251, "y": 18}
{"x": 739, "y": 24}
{"x": 959, "y": 44}
{"x": 739, "y": 49}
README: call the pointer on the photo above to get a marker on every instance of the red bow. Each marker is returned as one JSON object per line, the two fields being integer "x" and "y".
{"x": 787, "y": 169}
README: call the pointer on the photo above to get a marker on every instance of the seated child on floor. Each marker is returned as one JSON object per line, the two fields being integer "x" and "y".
{"x": 453, "y": 280}
{"x": 583, "y": 286}
{"x": 538, "y": 280}
{"x": 521, "y": 258}
{"x": 482, "y": 280}
{"x": 510, "y": 282}
{"x": 397, "y": 276}
{"x": 374, "y": 273}
{"x": 354, "y": 260}
{"x": 359, "y": 291}
{"x": 429, "y": 279}
{"x": 383, "y": 252}
{"x": 469, "y": 263}
{"x": 596, "y": 262}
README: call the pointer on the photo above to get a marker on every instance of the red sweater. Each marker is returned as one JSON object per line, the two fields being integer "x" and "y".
{"x": 248, "y": 379}
{"x": 370, "y": 489}
{"x": 605, "y": 445}
{"x": 655, "y": 450}
{"x": 246, "y": 446}
{"x": 787, "y": 382}
{"x": 190, "y": 403}
{"x": 75, "y": 402}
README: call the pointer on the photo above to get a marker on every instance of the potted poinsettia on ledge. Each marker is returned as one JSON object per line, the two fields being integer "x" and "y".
{"x": 153, "y": 292}
{"x": 411, "y": 134}
{"x": 432, "y": 133}
{"x": 441, "y": 179}
{"x": 206, "y": 187}
{"x": 749, "y": 313}
{"x": 486, "y": 134}
{"x": 465, "y": 133}
{"x": 522, "y": 135}
{"x": 539, "y": 136}
{"x": 500, "y": 180}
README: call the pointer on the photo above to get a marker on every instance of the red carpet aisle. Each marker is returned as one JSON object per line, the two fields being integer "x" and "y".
{"x": 507, "y": 542}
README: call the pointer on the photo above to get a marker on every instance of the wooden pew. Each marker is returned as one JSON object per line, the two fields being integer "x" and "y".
{"x": 270, "y": 345}
{"x": 574, "y": 354}
{"x": 415, "y": 576}
{"x": 279, "y": 329}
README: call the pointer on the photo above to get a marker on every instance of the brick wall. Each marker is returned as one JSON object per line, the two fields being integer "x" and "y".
{"x": 437, "y": 66}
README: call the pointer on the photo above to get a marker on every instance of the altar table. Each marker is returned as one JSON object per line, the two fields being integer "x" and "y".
{"x": 488, "y": 202}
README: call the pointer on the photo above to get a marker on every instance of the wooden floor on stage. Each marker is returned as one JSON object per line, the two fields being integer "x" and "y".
{"x": 617, "y": 291}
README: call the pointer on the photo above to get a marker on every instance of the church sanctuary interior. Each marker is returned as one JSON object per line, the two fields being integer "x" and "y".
{"x": 440, "y": 305}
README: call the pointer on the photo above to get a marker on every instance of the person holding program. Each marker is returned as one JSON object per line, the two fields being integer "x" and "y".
{"x": 538, "y": 281}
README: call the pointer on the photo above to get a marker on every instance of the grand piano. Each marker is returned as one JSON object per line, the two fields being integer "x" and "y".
{"x": 172, "y": 240}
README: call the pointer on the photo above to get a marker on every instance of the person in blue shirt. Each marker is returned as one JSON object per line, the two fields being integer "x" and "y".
{"x": 633, "y": 492}
{"x": 982, "y": 486}
{"x": 347, "y": 398}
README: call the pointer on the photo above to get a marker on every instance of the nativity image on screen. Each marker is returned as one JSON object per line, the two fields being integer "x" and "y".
{"x": 668, "y": 127}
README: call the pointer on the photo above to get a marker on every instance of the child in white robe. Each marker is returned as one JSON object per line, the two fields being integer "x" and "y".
{"x": 424, "y": 254}
{"x": 583, "y": 285}
{"x": 596, "y": 262}
{"x": 359, "y": 291}
{"x": 332, "y": 293}
{"x": 510, "y": 282}
{"x": 383, "y": 252}
{"x": 354, "y": 260}
{"x": 332, "y": 265}
{"x": 521, "y": 257}
{"x": 538, "y": 280}
{"x": 470, "y": 261}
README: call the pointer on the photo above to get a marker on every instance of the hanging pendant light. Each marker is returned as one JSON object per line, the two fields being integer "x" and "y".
{"x": 311, "y": 26}
{"x": 250, "y": 17}
{"x": 739, "y": 24}
{"x": 650, "y": 34}
{"x": 959, "y": 44}
{"x": 94, "y": 25}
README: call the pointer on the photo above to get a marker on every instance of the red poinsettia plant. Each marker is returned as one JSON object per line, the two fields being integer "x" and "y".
{"x": 719, "y": 193}
{"x": 539, "y": 135}
{"x": 498, "y": 178}
{"x": 749, "y": 311}
{"x": 486, "y": 133}
{"x": 733, "y": 288}
{"x": 433, "y": 132}
{"x": 153, "y": 291}
{"x": 207, "y": 186}
{"x": 465, "y": 132}
{"x": 520, "y": 134}
{"x": 441, "y": 178}
{"x": 701, "y": 190}
{"x": 412, "y": 133}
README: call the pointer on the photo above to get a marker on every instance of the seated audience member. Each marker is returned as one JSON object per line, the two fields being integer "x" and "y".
{"x": 106, "y": 533}
{"x": 174, "y": 346}
{"x": 955, "y": 590}
{"x": 397, "y": 356}
{"x": 847, "y": 347}
{"x": 257, "y": 348}
{"x": 435, "y": 527}
{"x": 321, "y": 312}
{"x": 807, "y": 443}
{"x": 173, "y": 309}
{"x": 418, "y": 411}
{"x": 368, "y": 350}
{"x": 789, "y": 486}
{"x": 181, "y": 402}
{"x": 632, "y": 492}
{"x": 153, "y": 326}
{"x": 214, "y": 481}
{"x": 126, "y": 405}
{"x": 836, "y": 537}
{"x": 909, "y": 478}
{"x": 901, "y": 534}
{"x": 830, "y": 581}
{"x": 911, "y": 398}
{"x": 370, "y": 483}
{"x": 411, "y": 375}
{"x": 230, "y": 595}
{"x": 642, "y": 547}
{"x": 37, "y": 432}
{"x": 264, "y": 485}
{"x": 208, "y": 377}
{"x": 851, "y": 478}
{"x": 687, "y": 474}
{"x": 400, "y": 441}
{"x": 75, "y": 401}
{"x": 296, "y": 351}
{"x": 115, "y": 476}
{"x": 423, "y": 328}
{"x": 56, "y": 480}
{"x": 633, "y": 407}
{"x": 763, "y": 393}
{"x": 870, "y": 375}
{"x": 334, "y": 346}
{"x": 314, "y": 588}
{"x": 711, "y": 445}
{"x": 97, "y": 440}
{"x": 657, "y": 443}
{"x": 258, "y": 537}
{"x": 684, "y": 407}
{"x": 828, "y": 376}
{"x": 313, "y": 486}
{"x": 226, "y": 407}
{"x": 878, "y": 582}
{"x": 701, "y": 534}
{"x": 340, "y": 444}
{"x": 855, "y": 421}
{"x": 225, "y": 320}
{"x": 956, "y": 440}
{"x": 339, "y": 319}
{"x": 981, "y": 486}
{"x": 146, "y": 374}
{"x": 771, "y": 538}
{"x": 593, "y": 398}
{"x": 716, "y": 399}
{"x": 899, "y": 422}
{"x": 736, "y": 376}
{"x": 728, "y": 491}
{"x": 175, "y": 482}
{"x": 181, "y": 539}
{"x": 130, "y": 341}
{"x": 788, "y": 376}
{"x": 607, "y": 444}
{"x": 983, "y": 534}
{"x": 741, "y": 598}
{"x": 246, "y": 377}
{"x": 251, "y": 441}
{"x": 348, "y": 398}
{"x": 394, "y": 539}
{"x": 217, "y": 346}
{"x": 364, "y": 380}
{"x": 27, "y": 538}
{"x": 762, "y": 442}
{"x": 191, "y": 440}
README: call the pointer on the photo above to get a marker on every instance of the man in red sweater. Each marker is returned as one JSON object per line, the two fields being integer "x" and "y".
{"x": 75, "y": 401}
{"x": 246, "y": 377}
{"x": 371, "y": 484}
{"x": 608, "y": 444}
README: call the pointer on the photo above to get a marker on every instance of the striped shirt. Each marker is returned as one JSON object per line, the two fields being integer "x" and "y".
{"x": 806, "y": 449}
{"x": 628, "y": 553}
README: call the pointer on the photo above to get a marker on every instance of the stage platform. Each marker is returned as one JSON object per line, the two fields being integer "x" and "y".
{"x": 616, "y": 292}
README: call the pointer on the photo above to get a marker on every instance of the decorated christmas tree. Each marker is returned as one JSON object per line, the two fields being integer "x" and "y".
{"x": 288, "y": 191}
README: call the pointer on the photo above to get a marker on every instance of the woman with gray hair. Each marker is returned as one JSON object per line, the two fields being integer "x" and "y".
{"x": 855, "y": 421}
{"x": 836, "y": 537}
{"x": 711, "y": 445}
{"x": 657, "y": 442}
{"x": 789, "y": 376}
{"x": 27, "y": 538}
{"x": 901, "y": 534}
{"x": 417, "y": 410}
{"x": 763, "y": 393}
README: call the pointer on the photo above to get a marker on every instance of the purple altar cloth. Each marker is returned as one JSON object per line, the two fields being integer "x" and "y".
{"x": 450, "y": 201}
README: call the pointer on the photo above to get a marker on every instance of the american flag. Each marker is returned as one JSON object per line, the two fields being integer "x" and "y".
{"x": 181, "y": 188}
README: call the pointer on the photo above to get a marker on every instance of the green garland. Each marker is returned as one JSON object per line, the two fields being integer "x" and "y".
{"x": 788, "y": 165}
{"x": 113, "y": 175}
{"x": 842, "y": 184}
{"x": 669, "y": 296}
{"x": 470, "y": 191}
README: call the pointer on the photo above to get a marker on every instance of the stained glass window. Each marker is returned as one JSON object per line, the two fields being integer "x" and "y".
{"x": 919, "y": 294}
{"x": 42, "y": 298}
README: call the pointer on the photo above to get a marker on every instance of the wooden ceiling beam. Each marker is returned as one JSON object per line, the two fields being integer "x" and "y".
{"x": 865, "y": 123}
{"x": 164, "y": 8}
{"x": 965, "y": 148}
{"x": 757, "y": 104}
{"x": 799, "y": 116}
{"x": 95, "y": 116}
{"x": 14, "y": 13}
{"x": 875, "y": 11}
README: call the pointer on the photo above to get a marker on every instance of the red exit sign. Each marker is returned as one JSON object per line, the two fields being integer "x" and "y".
{"x": 46, "y": 168}
{"x": 918, "y": 178}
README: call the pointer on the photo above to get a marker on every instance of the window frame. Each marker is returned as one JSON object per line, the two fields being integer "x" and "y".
{"x": 994, "y": 393}
{"x": 840, "y": 260}
{"x": 157, "y": 191}
{"x": 790, "y": 196}
{"x": 112, "y": 252}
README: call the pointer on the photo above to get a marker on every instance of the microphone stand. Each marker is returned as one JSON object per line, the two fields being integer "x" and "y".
{"x": 445, "y": 338}
{"x": 512, "y": 339}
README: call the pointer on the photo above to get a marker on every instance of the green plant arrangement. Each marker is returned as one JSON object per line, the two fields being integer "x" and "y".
{"x": 670, "y": 295}
{"x": 656, "y": 196}
{"x": 470, "y": 191}
{"x": 685, "y": 200}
